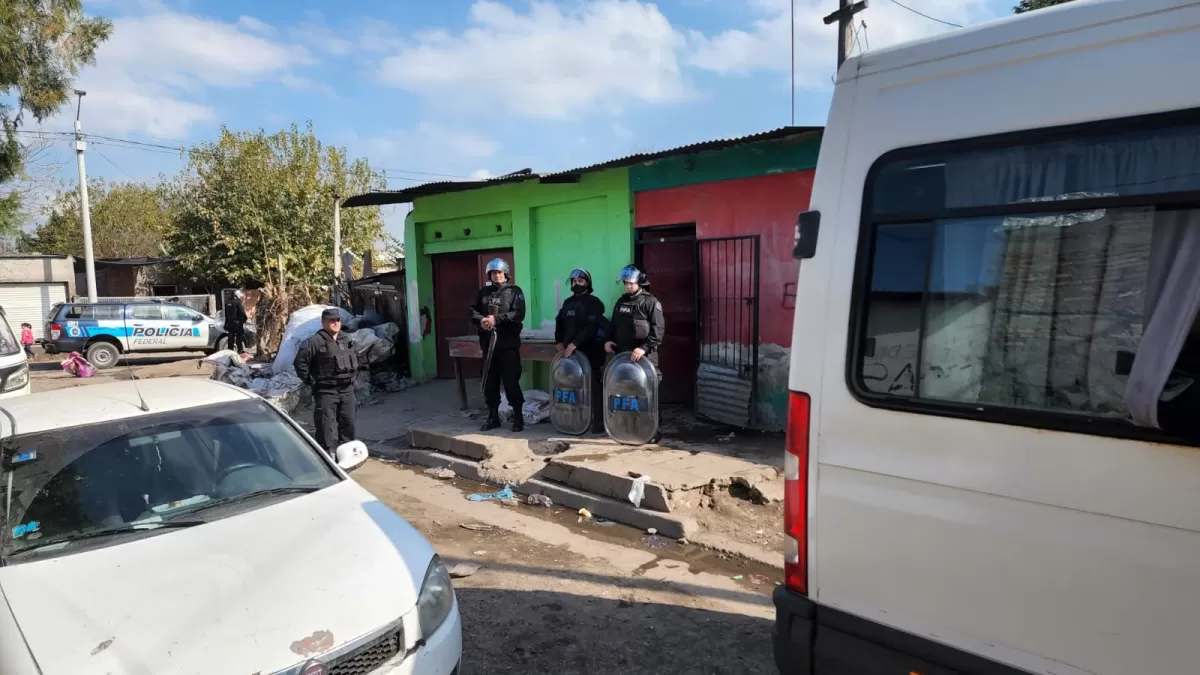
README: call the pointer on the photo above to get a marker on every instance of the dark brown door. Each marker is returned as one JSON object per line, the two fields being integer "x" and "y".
{"x": 457, "y": 277}
{"x": 668, "y": 257}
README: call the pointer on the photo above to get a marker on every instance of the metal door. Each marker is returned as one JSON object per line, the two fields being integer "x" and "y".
{"x": 457, "y": 277}
{"x": 727, "y": 376}
{"x": 668, "y": 257}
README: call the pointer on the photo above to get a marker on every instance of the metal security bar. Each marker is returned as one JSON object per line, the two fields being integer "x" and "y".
{"x": 727, "y": 376}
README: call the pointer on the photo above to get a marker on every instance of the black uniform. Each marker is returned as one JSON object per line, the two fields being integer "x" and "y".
{"x": 328, "y": 365}
{"x": 235, "y": 325}
{"x": 638, "y": 322}
{"x": 576, "y": 325}
{"x": 506, "y": 302}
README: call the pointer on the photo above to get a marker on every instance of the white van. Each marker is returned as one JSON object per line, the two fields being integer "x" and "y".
{"x": 993, "y": 461}
{"x": 14, "y": 367}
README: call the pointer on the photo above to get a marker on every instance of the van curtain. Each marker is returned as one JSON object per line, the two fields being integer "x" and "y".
{"x": 1061, "y": 294}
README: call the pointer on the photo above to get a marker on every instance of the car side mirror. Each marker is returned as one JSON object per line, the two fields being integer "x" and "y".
{"x": 350, "y": 455}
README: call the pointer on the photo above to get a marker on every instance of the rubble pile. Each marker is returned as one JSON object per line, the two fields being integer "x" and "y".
{"x": 277, "y": 381}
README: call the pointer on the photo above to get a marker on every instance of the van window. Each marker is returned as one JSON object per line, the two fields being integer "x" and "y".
{"x": 1024, "y": 276}
{"x": 175, "y": 313}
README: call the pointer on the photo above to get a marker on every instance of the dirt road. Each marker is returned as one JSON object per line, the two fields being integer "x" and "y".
{"x": 48, "y": 375}
{"x": 552, "y": 596}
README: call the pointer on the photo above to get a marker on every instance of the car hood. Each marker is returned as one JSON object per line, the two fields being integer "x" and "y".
{"x": 249, "y": 593}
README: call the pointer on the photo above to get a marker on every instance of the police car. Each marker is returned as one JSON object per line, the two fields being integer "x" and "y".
{"x": 104, "y": 331}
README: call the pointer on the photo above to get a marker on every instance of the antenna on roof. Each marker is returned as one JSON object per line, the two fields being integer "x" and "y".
{"x": 133, "y": 380}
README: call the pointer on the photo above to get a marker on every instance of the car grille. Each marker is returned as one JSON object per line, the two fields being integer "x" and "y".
{"x": 365, "y": 659}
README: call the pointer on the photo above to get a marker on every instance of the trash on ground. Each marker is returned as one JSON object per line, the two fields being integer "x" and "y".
{"x": 514, "y": 502}
{"x": 78, "y": 366}
{"x": 638, "y": 491}
{"x": 479, "y": 553}
{"x": 442, "y": 472}
{"x": 584, "y": 513}
{"x": 654, "y": 541}
{"x": 603, "y": 522}
{"x": 758, "y": 579}
{"x": 737, "y": 577}
{"x": 540, "y": 500}
{"x": 726, "y": 438}
{"x": 535, "y": 410}
{"x": 506, "y": 493}
{"x": 463, "y": 569}
{"x": 477, "y": 527}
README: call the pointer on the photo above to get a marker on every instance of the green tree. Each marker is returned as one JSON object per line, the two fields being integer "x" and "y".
{"x": 248, "y": 197}
{"x": 1030, "y": 5}
{"x": 42, "y": 45}
{"x": 129, "y": 220}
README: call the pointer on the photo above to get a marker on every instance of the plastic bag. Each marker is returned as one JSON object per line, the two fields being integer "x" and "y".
{"x": 637, "y": 492}
{"x": 535, "y": 411}
{"x": 387, "y": 331}
{"x": 301, "y": 325}
{"x": 78, "y": 366}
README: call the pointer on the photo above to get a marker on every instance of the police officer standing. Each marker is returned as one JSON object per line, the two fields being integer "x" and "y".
{"x": 638, "y": 323}
{"x": 235, "y": 322}
{"x": 328, "y": 362}
{"x": 575, "y": 330}
{"x": 498, "y": 312}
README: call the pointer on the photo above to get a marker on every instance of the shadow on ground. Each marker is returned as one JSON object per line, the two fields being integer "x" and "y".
{"x": 510, "y": 632}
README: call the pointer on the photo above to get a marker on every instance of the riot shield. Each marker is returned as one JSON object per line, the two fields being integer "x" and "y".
{"x": 571, "y": 394}
{"x": 631, "y": 400}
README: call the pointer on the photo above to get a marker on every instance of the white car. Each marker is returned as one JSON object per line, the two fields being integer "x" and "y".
{"x": 194, "y": 528}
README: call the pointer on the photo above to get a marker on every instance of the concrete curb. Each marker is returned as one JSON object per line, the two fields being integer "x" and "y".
{"x": 667, "y": 525}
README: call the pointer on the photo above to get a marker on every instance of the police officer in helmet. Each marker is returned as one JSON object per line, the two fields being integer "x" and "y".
{"x": 638, "y": 324}
{"x": 327, "y": 362}
{"x": 498, "y": 313}
{"x": 575, "y": 330}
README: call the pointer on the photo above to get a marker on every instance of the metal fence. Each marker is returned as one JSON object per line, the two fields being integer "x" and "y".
{"x": 206, "y": 304}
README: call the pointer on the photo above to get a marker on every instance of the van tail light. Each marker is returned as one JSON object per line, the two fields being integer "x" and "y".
{"x": 795, "y": 496}
{"x": 55, "y": 331}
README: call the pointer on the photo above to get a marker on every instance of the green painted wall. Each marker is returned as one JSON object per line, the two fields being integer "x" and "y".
{"x": 746, "y": 161}
{"x": 552, "y": 229}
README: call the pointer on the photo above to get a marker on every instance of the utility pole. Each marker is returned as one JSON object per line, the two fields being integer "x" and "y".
{"x": 337, "y": 246}
{"x": 89, "y": 260}
{"x": 844, "y": 17}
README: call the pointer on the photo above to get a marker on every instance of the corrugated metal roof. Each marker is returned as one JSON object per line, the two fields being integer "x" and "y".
{"x": 442, "y": 187}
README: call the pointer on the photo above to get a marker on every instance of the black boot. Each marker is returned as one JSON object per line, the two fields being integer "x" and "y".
{"x": 518, "y": 424}
{"x": 492, "y": 422}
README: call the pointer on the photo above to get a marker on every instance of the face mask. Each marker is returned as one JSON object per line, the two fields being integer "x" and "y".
{"x": 578, "y": 290}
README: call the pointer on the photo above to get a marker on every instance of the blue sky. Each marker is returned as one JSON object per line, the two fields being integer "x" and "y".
{"x": 466, "y": 87}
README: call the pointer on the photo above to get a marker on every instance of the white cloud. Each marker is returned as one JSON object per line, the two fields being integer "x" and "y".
{"x": 764, "y": 45}
{"x": 317, "y": 34}
{"x": 481, "y": 174}
{"x": 300, "y": 83}
{"x": 548, "y": 62}
{"x": 151, "y": 74}
{"x": 446, "y": 153}
{"x": 255, "y": 25}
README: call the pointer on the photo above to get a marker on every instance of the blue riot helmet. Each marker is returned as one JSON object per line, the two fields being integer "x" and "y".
{"x": 630, "y": 274}
{"x": 580, "y": 273}
{"x": 499, "y": 265}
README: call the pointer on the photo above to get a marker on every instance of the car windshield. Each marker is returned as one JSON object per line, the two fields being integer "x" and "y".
{"x": 69, "y": 488}
{"x": 8, "y": 343}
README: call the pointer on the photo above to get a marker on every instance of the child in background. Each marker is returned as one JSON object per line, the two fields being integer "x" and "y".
{"x": 27, "y": 339}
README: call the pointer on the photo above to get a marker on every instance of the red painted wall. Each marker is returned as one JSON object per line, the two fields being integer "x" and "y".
{"x": 763, "y": 205}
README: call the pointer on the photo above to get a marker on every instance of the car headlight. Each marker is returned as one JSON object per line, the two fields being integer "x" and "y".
{"x": 436, "y": 599}
{"x": 18, "y": 379}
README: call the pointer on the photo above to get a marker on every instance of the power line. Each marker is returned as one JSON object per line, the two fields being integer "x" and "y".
{"x": 130, "y": 144}
{"x": 115, "y": 165}
{"x": 920, "y": 13}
